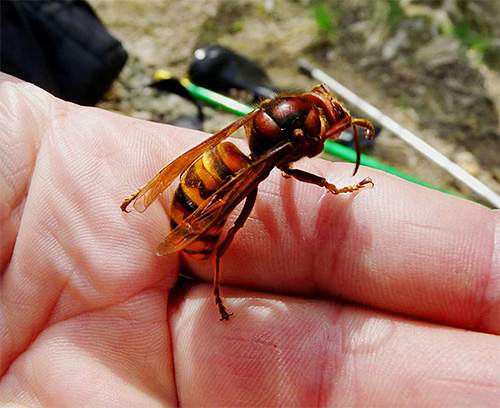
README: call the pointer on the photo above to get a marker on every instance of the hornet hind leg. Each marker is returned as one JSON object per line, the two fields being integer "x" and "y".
{"x": 222, "y": 248}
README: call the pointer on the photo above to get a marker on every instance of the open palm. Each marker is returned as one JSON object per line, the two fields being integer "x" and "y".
{"x": 90, "y": 316}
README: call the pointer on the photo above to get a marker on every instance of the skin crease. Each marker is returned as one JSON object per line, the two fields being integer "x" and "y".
{"x": 389, "y": 297}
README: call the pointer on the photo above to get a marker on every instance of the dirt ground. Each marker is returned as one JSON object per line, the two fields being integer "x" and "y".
{"x": 400, "y": 59}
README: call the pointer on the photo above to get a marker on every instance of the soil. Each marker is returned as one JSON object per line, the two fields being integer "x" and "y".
{"x": 399, "y": 56}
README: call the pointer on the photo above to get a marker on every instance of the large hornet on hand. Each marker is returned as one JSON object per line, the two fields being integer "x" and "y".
{"x": 217, "y": 176}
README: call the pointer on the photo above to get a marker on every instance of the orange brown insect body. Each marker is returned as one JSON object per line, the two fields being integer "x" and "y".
{"x": 218, "y": 176}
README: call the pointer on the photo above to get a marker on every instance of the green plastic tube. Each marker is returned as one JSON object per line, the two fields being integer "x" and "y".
{"x": 332, "y": 148}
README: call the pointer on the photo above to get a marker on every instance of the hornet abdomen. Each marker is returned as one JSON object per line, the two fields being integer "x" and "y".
{"x": 203, "y": 178}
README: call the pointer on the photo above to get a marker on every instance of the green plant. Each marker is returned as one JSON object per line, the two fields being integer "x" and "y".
{"x": 326, "y": 22}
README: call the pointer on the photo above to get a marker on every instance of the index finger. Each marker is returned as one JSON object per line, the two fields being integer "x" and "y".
{"x": 398, "y": 247}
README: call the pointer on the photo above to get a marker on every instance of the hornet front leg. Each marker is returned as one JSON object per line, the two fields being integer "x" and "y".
{"x": 322, "y": 182}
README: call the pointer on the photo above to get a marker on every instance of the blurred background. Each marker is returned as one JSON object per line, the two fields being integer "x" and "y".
{"x": 432, "y": 65}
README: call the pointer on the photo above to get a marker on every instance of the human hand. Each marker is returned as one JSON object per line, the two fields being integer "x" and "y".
{"x": 90, "y": 316}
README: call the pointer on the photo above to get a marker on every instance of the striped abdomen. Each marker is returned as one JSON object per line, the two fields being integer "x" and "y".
{"x": 198, "y": 183}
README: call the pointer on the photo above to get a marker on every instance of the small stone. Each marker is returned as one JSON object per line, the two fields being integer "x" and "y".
{"x": 468, "y": 162}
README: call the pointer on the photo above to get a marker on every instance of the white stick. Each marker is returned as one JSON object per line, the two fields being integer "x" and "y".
{"x": 427, "y": 150}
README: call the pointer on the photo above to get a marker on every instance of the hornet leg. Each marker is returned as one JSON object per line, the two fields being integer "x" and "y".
{"x": 322, "y": 182}
{"x": 222, "y": 248}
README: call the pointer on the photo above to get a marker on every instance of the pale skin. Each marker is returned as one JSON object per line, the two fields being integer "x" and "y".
{"x": 386, "y": 297}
